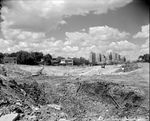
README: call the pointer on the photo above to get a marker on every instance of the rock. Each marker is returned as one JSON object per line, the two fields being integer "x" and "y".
{"x": 100, "y": 118}
{"x": 141, "y": 119}
{"x": 63, "y": 119}
{"x": 33, "y": 117}
{"x": 57, "y": 107}
{"x": 1, "y": 113}
{"x": 63, "y": 115}
{"x": 9, "y": 117}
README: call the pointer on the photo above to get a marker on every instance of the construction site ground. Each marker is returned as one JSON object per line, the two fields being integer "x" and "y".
{"x": 74, "y": 93}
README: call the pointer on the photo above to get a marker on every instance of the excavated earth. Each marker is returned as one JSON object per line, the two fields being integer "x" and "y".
{"x": 24, "y": 97}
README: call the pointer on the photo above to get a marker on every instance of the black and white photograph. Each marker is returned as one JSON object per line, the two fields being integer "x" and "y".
{"x": 74, "y": 60}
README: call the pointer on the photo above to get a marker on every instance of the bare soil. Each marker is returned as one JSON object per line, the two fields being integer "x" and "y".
{"x": 75, "y": 93}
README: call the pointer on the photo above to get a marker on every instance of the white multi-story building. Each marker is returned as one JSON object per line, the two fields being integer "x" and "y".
{"x": 98, "y": 58}
{"x": 92, "y": 58}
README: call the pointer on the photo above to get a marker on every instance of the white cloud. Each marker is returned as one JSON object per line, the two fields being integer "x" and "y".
{"x": 70, "y": 49}
{"x": 83, "y": 30}
{"x": 5, "y": 44}
{"x": 76, "y": 44}
{"x": 144, "y": 32}
{"x": 146, "y": 44}
{"x": 26, "y": 21}
{"x": 122, "y": 46}
{"x": 62, "y": 22}
{"x": 45, "y": 15}
{"x": 97, "y": 36}
{"x": 106, "y": 33}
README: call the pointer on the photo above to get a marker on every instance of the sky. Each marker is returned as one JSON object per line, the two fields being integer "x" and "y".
{"x": 74, "y": 28}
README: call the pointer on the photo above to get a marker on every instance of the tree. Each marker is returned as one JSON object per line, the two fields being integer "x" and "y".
{"x": 22, "y": 57}
{"x": 76, "y": 61}
{"x": 37, "y": 57}
{"x": 13, "y": 55}
{"x": 144, "y": 58}
{"x": 59, "y": 58}
{"x": 47, "y": 59}
{"x": 1, "y": 57}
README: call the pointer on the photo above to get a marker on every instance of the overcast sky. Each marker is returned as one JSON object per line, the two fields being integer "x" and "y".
{"x": 73, "y": 28}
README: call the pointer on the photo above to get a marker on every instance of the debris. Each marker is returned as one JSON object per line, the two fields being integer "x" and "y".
{"x": 9, "y": 117}
{"x": 100, "y": 118}
{"x": 68, "y": 98}
{"x": 57, "y": 107}
{"x": 63, "y": 119}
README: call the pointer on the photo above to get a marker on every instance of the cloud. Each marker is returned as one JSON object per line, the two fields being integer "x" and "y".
{"x": 62, "y": 22}
{"x": 5, "y": 44}
{"x": 144, "y": 32}
{"x": 75, "y": 44}
{"x": 26, "y": 22}
{"x": 146, "y": 44}
{"x": 45, "y": 15}
{"x": 122, "y": 46}
{"x": 97, "y": 36}
{"x": 106, "y": 33}
{"x": 83, "y": 30}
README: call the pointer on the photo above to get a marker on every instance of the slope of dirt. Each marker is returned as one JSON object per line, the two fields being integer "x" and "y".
{"x": 74, "y": 98}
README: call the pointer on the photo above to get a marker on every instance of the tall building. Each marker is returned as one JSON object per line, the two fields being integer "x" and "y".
{"x": 118, "y": 57}
{"x": 92, "y": 58}
{"x": 98, "y": 58}
{"x": 114, "y": 56}
{"x": 123, "y": 59}
{"x": 103, "y": 59}
{"x": 109, "y": 58}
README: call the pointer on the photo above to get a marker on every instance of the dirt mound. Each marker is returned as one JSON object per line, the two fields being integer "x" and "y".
{"x": 14, "y": 71}
{"x": 76, "y": 101}
{"x": 2, "y": 70}
{"x": 128, "y": 67}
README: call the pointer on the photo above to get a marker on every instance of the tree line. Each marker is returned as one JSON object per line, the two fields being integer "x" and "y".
{"x": 144, "y": 58}
{"x": 34, "y": 58}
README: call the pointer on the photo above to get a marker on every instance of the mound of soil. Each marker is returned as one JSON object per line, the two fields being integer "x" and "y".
{"x": 33, "y": 99}
{"x": 78, "y": 101}
{"x": 13, "y": 71}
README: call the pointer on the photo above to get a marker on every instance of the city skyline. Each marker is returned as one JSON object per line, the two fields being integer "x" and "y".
{"x": 109, "y": 58}
{"x": 71, "y": 28}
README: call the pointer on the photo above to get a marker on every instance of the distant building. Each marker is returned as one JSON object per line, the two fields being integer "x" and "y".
{"x": 118, "y": 57}
{"x": 66, "y": 61}
{"x": 103, "y": 59}
{"x": 10, "y": 60}
{"x": 54, "y": 62}
{"x": 114, "y": 56}
{"x": 98, "y": 58}
{"x": 92, "y": 58}
{"x": 123, "y": 59}
{"x": 109, "y": 58}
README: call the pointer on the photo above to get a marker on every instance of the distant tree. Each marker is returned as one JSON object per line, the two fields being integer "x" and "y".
{"x": 84, "y": 61}
{"x": 30, "y": 60}
{"x": 1, "y": 57}
{"x": 6, "y": 54}
{"x": 13, "y": 54}
{"x": 80, "y": 61}
{"x": 144, "y": 58}
{"x": 24, "y": 57}
{"x": 59, "y": 58}
{"x": 76, "y": 61}
{"x": 37, "y": 57}
{"x": 47, "y": 59}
